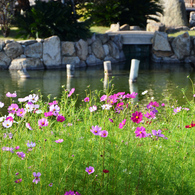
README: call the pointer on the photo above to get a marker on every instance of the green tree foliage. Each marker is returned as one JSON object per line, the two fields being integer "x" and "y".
{"x": 132, "y": 12}
{"x": 52, "y": 18}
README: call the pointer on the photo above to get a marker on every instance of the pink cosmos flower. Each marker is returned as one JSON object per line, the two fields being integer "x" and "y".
{"x": 8, "y": 94}
{"x": 17, "y": 173}
{"x": 153, "y": 104}
{"x": 20, "y": 112}
{"x": 59, "y": 141}
{"x": 18, "y": 181}
{"x": 92, "y": 108}
{"x": 51, "y": 184}
{"x": 8, "y": 149}
{"x": 122, "y": 124}
{"x": 163, "y": 104}
{"x": 86, "y": 99}
{"x": 96, "y": 130}
{"x": 1, "y": 104}
{"x": 103, "y": 98}
{"x": 140, "y": 132}
{"x": 176, "y": 110}
{"x": 60, "y": 118}
{"x": 36, "y": 175}
{"x": 20, "y": 154}
{"x": 132, "y": 95}
{"x": 89, "y": 170}
{"x": 136, "y": 117}
{"x": 43, "y": 122}
{"x": 150, "y": 115}
{"x": 53, "y": 103}
{"x": 104, "y": 133}
{"x": 13, "y": 108}
{"x": 28, "y": 126}
{"x": 23, "y": 99}
{"x": 71, "y": 92}
{"x": 50, "y": 113}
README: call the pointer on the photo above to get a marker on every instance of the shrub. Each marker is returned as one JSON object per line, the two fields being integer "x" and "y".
{"x": 52, "y": 18}
{"x": 132, "y": 12}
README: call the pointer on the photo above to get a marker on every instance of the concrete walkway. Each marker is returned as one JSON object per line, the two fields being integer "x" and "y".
{"x": 134, "y": 37}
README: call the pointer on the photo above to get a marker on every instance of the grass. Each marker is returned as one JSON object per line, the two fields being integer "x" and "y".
{"x": 13, "y": 32}
{"x": 191, "y": 33}
{"x": 124, "y": 162}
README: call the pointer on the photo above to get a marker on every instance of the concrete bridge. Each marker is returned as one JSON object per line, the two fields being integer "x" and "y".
{"x": 134, "y": 37}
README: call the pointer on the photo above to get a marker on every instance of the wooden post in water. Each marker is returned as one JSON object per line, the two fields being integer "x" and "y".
{"x": 107, "y": 68}
{"x": 70, "y": 70}
{"x": 134, "y": 70}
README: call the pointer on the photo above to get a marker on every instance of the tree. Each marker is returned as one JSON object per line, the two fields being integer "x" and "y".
{"x": 6, "y": 15}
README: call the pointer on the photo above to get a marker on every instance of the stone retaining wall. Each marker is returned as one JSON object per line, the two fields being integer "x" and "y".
{"x": 178, "y": 49}
{"x": 52, "y": 53}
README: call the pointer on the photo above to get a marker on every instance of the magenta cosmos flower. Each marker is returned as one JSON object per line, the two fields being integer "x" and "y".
{"x": 86, "y": 99}
{"x": 89, "y": 170}
{"x": 50, "y": 113}
{"x": 18, "y": 181}
{"x": 36, "y": 175}
{"x": 104, "y": 133}
{"x": 69, "y": 193}
{"x": 43, "y": 122}
{"x": 60, "y": 118}
{"x": 140, "y": 132}
{"x": 71, "y": 92}
{"x": 96, "y": 130}
{"x": 59, "y": 141}
{"x": 122, "y": 124}
{"x": 8, "y": 94}
{"x": 136, "y": 117}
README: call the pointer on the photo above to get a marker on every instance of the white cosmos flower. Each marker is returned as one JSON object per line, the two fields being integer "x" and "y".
{"x": 106, "y": 106}
{"x": 1, "y": 104}
{"x": 143, "y": 93}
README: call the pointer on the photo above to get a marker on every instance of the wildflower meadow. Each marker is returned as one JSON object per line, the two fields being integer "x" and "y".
{"x": 108, "y": 145}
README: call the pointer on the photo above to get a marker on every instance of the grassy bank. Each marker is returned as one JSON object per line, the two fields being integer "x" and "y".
{"x": 14, "y": 31}
{"x": 109, "y": 145}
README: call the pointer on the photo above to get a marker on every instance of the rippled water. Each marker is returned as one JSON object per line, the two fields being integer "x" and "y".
{"x": 157, "y": 78}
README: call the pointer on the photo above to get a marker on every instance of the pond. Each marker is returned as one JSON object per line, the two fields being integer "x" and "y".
{"x": 156, "y": 78}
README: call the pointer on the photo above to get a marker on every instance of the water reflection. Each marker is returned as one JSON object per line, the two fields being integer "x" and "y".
{"x": 156, "y": 78}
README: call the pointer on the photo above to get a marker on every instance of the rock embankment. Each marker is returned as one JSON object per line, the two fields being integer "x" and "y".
{"x": 52, "y": 53}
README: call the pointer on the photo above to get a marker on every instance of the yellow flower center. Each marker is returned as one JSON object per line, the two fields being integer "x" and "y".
{"x": 136, "y": 117}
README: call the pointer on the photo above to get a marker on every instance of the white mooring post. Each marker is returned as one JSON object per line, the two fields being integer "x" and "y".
{"x": 134, "y": 70}
{"x": 107, "y": 68}
{"x": 70, "y": 70}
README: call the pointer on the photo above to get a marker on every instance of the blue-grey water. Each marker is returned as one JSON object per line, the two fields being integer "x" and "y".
{"x": 156, "y": 78}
